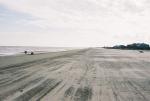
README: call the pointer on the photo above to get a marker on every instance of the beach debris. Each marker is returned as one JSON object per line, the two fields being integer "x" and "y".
{"x": 141, "y": 51}
{"x": 21, "y": 90}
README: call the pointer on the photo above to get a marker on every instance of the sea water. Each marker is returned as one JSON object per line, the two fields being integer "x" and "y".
{"x": 11, "y": 50}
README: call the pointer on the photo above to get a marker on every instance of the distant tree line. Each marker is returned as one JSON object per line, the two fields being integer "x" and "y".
{"x": 134, "y": 46}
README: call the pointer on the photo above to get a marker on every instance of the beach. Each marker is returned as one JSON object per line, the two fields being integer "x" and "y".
{"x": 91, "y": 74}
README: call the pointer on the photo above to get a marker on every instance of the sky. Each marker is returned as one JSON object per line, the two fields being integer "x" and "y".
{"x": 74, "y": 23}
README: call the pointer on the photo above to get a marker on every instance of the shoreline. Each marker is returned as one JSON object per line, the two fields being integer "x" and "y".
{"x": 14, "y": 50}
{"x": 20, "y": 58}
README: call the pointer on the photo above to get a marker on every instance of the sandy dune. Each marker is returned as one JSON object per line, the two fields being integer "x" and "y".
{"x": 79, "y": 75}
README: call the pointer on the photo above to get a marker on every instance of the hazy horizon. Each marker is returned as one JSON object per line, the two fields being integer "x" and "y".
{"x": 74, "y": 23}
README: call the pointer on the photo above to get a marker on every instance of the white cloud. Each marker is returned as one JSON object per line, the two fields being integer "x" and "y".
{"x": 98, "y": 18}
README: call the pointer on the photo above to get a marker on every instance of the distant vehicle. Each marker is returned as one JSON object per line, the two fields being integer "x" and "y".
{"x": 32, "y": 53}
{"x": 25, "y": 52}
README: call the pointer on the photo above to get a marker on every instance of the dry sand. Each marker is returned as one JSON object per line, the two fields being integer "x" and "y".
{"x": 93, "y": 74}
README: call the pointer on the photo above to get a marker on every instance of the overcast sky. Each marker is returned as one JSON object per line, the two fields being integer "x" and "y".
{"x": 74, "y": 22}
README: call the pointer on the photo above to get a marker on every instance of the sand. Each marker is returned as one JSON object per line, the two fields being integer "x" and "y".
{"x": 93, "y": 74}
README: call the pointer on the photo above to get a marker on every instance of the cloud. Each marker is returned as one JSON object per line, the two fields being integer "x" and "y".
{"x": 98, "y": 18}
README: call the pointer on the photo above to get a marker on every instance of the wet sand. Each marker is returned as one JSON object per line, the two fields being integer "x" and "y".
{"x": 93, "y": 74}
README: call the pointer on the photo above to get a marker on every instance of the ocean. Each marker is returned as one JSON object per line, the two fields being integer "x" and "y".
{"x": 12, "y": 50}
